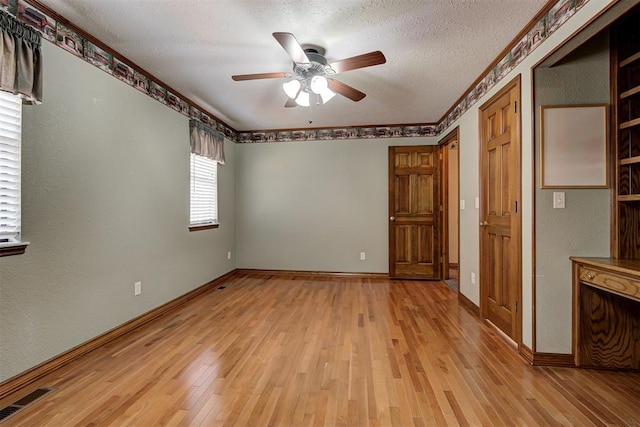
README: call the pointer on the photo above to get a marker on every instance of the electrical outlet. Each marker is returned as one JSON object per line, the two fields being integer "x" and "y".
{"x": 473, "y": 278}
{"x": 363, "y": 256}
{"x": 137, "y": 288}
{"x": 229, "y": 255}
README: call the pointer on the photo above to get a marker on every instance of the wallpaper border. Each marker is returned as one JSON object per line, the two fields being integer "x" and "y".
{"x": 65, "y": 35}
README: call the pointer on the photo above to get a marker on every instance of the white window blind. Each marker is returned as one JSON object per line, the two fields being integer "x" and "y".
{"x": 10, "y": 128}
{"x": 204, "y": 190}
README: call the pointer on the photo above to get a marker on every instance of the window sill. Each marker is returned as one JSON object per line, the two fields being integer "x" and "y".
{"x": 199, "y": 227}
{"x": 13, "y": 248}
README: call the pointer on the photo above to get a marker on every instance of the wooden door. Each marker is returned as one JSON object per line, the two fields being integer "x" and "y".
{"x": 414, "y": 212}
{"x": 500, "y": 223}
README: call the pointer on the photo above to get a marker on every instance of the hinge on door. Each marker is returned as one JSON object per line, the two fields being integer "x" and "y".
{"x": 516, "y": 306}
{"x": 515, "y": 106}
{"x": 516, "y": 205}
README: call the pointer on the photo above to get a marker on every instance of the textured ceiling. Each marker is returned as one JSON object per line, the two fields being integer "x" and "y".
{"x": 435, "y": 49}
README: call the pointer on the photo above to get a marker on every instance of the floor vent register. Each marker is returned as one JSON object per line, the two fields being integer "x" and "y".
{"x": 23, "y": 402}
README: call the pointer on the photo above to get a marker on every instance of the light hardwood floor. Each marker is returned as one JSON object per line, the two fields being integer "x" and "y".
{"x": 303, "y": 351}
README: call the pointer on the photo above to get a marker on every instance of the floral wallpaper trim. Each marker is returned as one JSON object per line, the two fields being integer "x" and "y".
{"x": 557, "y": 15}
{"x": 33, "y": 14}
{"x": 538, "y": 32}
{"x": 351, "y": 132}
{"x": 70, "y": 39}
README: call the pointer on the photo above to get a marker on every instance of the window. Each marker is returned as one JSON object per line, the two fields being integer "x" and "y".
{"x": 10, "y": 129}
{"x": 207, "y": 150}
{"x": 204, "y": 193}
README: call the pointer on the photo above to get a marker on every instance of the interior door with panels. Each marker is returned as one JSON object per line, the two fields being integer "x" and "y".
{"x": 500, "y": 226}
{"x": 414, "y": 212}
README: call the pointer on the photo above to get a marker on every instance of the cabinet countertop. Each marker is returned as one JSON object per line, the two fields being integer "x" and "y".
{"x": 624, "y": 266}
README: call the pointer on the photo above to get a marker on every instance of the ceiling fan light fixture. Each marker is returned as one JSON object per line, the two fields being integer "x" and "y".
{"x": 318, "y": 84}
{"x": 308, "y": 82}
{"x": 303, "y": 99}
{"x": 291, "y": 88}
{"x": 326, "y": 95}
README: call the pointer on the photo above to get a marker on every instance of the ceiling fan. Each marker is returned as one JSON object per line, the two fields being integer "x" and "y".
{"x": 311, "y": 81}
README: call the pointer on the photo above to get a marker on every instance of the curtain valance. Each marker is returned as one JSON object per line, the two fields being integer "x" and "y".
{"x": 206, "y": 141}
{"x": 20, "y": 59}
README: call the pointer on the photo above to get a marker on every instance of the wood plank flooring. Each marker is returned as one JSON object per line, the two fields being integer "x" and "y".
{"x": 312, "y": 351}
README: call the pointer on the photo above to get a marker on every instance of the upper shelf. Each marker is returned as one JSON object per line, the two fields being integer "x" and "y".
{"x": 630, "y": 123}
{"x": 629, "y": 198}
{"x": 630, "y": 160}
{"x": 629, "y": 60}
{"x": 630, "y": 92}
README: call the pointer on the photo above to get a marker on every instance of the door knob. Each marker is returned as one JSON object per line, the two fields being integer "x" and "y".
{"x": 484, "y": 224}
{"x": 392, "y": 218}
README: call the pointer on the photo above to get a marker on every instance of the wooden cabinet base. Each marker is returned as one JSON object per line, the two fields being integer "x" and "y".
{"x": 606, "y": 313}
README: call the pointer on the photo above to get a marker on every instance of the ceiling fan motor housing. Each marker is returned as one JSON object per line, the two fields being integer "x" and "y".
{"x": 317, "y": 63}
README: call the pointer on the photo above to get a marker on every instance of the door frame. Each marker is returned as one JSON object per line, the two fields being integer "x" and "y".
{"x": 514, "y": 83}
{"x": 445, "y": 146}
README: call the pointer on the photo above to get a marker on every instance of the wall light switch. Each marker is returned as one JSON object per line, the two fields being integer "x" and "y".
{"x": 558, "y": 200}
{"x": 462, "y": 204}
{"x": 477, "y": 202}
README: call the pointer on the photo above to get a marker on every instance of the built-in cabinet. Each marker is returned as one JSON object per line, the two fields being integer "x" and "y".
{"x": 606, "y": 313}
{"x": 625, "y": 87}
{"x": 606, "y": 291}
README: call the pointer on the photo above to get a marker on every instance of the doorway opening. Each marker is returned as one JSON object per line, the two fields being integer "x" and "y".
{"x": 449, "y": 146}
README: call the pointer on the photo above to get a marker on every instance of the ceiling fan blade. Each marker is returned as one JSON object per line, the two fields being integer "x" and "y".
{"x": 290, "y": 103}
{"x": 258, "y": 76}
{"x": 345, "y": 90}
{"x": 360, "y": 61}
{"x": 290, "y": 44}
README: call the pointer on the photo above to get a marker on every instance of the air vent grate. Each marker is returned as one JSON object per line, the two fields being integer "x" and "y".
{"x": 8, "y": 411}
{"x": 23, "y": 402}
